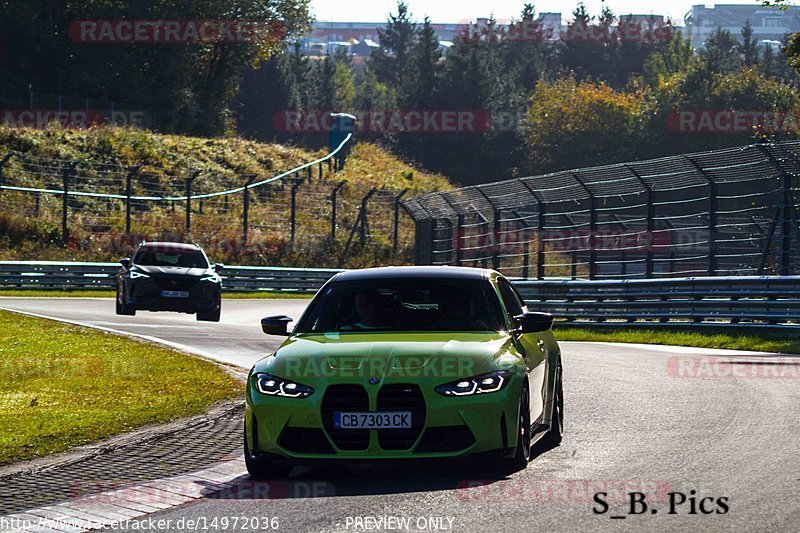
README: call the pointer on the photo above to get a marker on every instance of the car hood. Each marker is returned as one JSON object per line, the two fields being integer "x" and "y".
{"x": 388, "y": 355}
{"x": 172, "y": 271}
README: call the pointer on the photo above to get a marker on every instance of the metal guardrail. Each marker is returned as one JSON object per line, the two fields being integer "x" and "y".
{"x": 43, "y": 275}
{"x": 769, "y": 302}
{"x": 746, "y": 301}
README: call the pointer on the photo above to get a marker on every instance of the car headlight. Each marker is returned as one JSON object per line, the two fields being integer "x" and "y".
{"x": 483, "y": 384}
{"x": 275, "y": 386}
{"x": 135, "y": 274}
{"x": 212, "y": 278}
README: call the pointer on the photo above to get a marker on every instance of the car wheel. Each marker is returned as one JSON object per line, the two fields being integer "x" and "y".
{"x": 523, "y": 452}
{"x": 556, "y": 432}
{"x": 209, "y": 316}
{"x": 263, "y": 468}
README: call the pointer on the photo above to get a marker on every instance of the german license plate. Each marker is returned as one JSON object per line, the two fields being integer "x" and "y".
{"x": 382, "y": 420}
{"x": 175, "y": 294}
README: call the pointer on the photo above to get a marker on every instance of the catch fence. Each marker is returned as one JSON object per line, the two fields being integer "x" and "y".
{"x": 726, "y": 212}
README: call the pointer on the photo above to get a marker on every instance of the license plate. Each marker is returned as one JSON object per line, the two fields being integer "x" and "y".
{"x": 382, "y": 420}
{"x": 175, "y": 294}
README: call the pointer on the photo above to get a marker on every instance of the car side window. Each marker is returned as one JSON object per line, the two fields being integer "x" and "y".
{"x": 514, "y": 304}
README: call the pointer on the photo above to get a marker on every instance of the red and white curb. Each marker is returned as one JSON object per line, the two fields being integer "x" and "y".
{"x": 110, "y": 509}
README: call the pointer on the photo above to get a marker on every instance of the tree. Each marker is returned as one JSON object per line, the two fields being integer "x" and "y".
{"x": 572, "y": 124}
{"x": 191, "y": 87}
{"x": 721, "y": 53}
{"x": 749, "y": 46}
{"x": 396, "y": 43}
{"x": 418, "y": 90}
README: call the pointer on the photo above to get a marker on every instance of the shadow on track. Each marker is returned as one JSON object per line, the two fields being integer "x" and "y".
{"x": 368, "y": 479}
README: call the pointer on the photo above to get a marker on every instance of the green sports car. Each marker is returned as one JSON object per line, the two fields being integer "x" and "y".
{"x": 405, "y": 363}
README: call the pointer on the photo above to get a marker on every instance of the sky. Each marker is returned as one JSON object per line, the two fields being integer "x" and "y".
{"x": 461, "y": 10}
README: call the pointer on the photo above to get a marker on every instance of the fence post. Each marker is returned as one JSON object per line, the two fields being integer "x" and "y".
{"x": 68, "y": 170}
{"x": 134, "y": 171}
{"x": 496, "y": 225}
{"x": 293, "y": 212}
{"x": 787, "y": 228}
{"x": 361, "y": 220}
{"x": 189, "y": 181}
{"x": 365, "y": 216}
{"x": 246, "y": 207}
{"x": 592, "y": 232}
{"x": 651, "y": 222}
{"x": 2, "y": 176}
{"x": 712, "y": 217}
{"x": 459, "y": 242}
{"x": 334, "y": 194}
{"x": 396, "y": 235}
{"x": 786, "y": 218}
{"x": 540, "y": 242}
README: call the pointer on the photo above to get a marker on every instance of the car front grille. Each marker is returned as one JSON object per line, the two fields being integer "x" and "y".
{"x": 175, "y": 284}
{"x": 352, "y": 398}
{"x": 401, "y": 398}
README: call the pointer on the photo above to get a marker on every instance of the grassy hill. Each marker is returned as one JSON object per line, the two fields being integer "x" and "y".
{"x": 30, "y": 224}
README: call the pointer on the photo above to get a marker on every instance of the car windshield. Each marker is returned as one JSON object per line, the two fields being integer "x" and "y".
{"x": 404, "y": 305}
{"x": 171, "y": 258}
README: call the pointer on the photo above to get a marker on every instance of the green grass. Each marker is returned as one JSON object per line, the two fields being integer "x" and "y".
{"x": 264, "y": 295}
{"x": 725, "y": 339}
{"x": 97, "y": 226}
{"x": 62, "y": 386}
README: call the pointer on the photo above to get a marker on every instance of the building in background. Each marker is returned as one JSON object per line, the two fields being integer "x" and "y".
{"x": 361, "y": 38}
{"x": 770, "y": 25}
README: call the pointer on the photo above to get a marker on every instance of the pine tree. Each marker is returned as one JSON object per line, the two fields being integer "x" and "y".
{"x": 749, "y": 47}
{"x": 418, "y": 91}
{"x": 721, "y": 53}
{"x": 396, "y": 43}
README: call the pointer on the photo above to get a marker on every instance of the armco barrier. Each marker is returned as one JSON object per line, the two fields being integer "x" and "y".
{"x": 769, "y": 302}
{"x": 745, "y": 301}
{"x": 90, "y": 276}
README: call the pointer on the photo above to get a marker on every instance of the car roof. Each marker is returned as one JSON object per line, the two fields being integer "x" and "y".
{"x": 170, "y": 246}
{"x": 410, "y": 272}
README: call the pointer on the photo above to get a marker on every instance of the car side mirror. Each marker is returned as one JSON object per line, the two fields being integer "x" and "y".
{"x": 276, "y": 325}
{"x": 218, "y": 267}
{"x": 534, "y": 322}
{"x": 125, "y": 263}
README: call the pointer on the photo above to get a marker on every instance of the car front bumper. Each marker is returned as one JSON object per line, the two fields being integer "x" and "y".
{"x": 146, "y": 295}
{"x": 298, "y": 430}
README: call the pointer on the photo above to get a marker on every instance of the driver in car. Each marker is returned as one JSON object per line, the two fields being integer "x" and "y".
{"x": 370, "y": 313}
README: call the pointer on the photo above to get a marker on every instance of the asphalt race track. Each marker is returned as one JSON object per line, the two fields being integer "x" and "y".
{"x": 656, "y": 420}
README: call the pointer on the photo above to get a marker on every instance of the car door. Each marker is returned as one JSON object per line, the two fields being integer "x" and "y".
{"x": 533, "y": 346}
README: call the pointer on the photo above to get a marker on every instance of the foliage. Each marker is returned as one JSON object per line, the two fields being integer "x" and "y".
{"x": 189, "y": 87}
{"x": 583, "y": 122}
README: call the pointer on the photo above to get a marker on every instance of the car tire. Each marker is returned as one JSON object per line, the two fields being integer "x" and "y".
{"x": 209, "y": 316}
{"x": 556, "y": 432}
{"x": 123, "y": 309}
{"x": 522, "y": 455}
{"x": 261, "y": 469}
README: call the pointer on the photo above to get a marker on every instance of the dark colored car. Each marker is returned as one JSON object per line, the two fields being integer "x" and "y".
{"x": 170, "y": 277}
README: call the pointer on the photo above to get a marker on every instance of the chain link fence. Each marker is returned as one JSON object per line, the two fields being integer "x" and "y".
{"x": 726, "y": 212}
